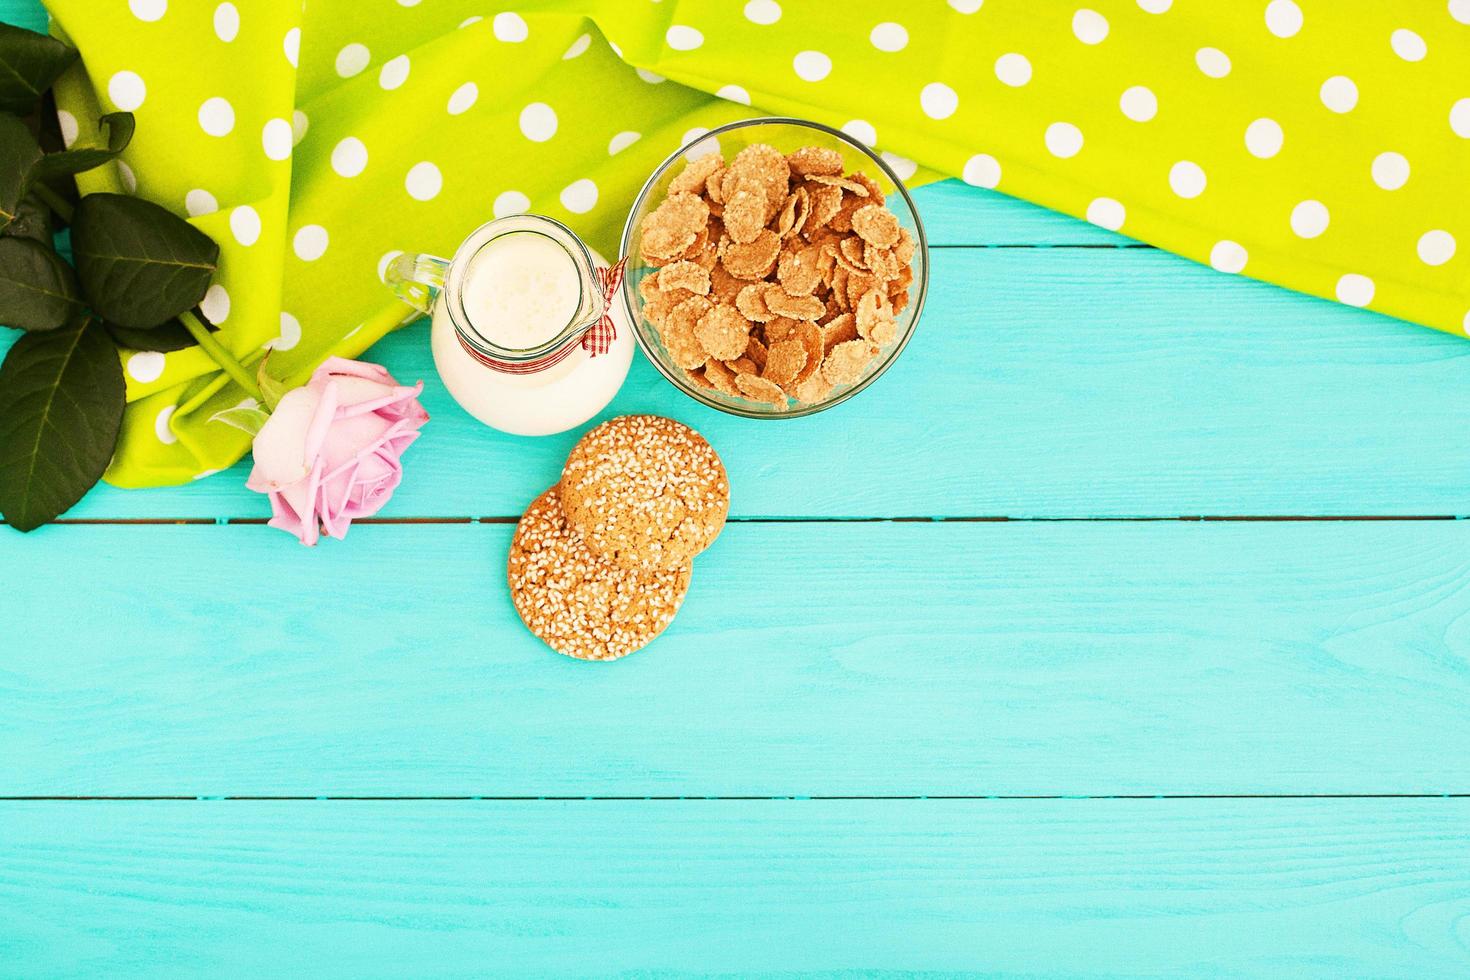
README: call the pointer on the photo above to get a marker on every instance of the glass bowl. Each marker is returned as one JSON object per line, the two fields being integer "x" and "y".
{"x": 786, "y": 135}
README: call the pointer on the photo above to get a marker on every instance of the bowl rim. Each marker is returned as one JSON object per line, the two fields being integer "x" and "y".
{"x": 635, "y": 316}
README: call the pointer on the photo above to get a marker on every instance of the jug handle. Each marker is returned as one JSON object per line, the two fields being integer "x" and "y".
{"x": 417, "y": 278}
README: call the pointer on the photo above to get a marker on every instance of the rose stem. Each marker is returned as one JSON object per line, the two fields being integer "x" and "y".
{"x": 222, "y": 357}
{"x": 54, "y": 201}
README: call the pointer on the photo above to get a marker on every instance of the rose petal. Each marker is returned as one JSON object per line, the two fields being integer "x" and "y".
{"x": 321, "y": 423}
{"x": 345, "y": 367}
{"x": 283, "y": 516}
{"x": 411, "y": 410}
{"x": 279, "y": 447}
{"x": 360, "y": 455}
{"x": 353, "y": 438}
{"x": 353, "y": 390}
{"x": 332, "y": 454}
{"x": 395, "y": 403}
{"x": 369, "y": 494}
{"x": 334, "y": 494}
{"x": 336, "y": 525}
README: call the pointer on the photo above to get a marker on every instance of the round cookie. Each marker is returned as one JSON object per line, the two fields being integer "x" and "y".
{"x": 581, "y": 605}
{"x": 645, "y": 492}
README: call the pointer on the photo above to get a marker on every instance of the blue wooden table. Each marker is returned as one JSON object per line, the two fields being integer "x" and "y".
{"x": 1123, "y": 628}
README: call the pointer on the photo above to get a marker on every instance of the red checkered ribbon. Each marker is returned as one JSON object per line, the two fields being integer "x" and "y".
{"x": 596, "y": 339}
{"x": 599, "y": 337}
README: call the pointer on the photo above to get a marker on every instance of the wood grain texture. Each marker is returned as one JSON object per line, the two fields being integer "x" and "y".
{"x": 955, "y": 213}
{"x": 23, "y": 13}
{"x": 1299, "y": 888}
{"x": 855, "y": 659}
{"x": 809, "y": 659}
{"x": 1042, "y": 382}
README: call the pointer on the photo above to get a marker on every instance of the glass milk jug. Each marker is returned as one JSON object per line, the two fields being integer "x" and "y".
{"x": 528, "y": 333}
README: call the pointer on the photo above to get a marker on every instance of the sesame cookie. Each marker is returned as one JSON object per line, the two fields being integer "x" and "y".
{"x": 645, "y": 492}
{"x": 582, "y": 605}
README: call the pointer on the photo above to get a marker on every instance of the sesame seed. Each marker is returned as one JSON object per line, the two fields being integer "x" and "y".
{"x": 582, "y": 605}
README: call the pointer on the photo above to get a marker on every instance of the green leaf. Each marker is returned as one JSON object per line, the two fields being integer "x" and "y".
{"x": 118, "y": 128}
{"x": 29, "y": 64}
{"x": 38, "y": 291}
{"x": 271, "y": 390}
{"x": 170, "y": 336}
{"x": 139, "y": 264}
{"x": 33, "y": 220}
{"x": 61, "y": 405}
{"x": 19, "y": 154}
{"x": 247, "y": 420}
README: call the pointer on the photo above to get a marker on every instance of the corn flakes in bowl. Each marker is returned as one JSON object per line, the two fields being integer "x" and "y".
{"x": 776, "y": 267}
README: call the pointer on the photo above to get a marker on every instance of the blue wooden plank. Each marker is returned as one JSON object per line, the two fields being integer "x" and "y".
{"x": 955, "y": 214}
{"x": 1299, "y": 888}
{"x": 1042, "y": 382}
{"x": 23, "y": 13}
{"x": 810, "y": 658}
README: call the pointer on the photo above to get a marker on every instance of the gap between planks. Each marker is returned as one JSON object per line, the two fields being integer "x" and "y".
{"x": 1080, "y": 797}
{"x": 979, "y": 519}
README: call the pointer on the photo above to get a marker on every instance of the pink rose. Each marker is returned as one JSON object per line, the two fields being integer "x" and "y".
{"x": 329, "y": 453}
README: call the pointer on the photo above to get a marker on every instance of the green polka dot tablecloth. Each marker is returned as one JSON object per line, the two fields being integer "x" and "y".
{"x": 1320, "y": 144}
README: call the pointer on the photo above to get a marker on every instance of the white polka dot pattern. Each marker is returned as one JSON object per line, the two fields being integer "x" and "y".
{"x": 1213, "y": 62}
{"x": 349, "y": 157}
{"x": 1063, "y": 140}
{"x": 510, "y": 27}
{"x": 538, "y": 122}
{"x": 394, "y": 73}
{"x": 1301, "y": 142}
{"x": 1390, "y": 170}
{"x": 938, "y": 100}
{"x": 216, "y": 304}
{"x": 622, "y": 141}
{"x": 216, "y": 116}
{"x": 511, "y": 202}
{"x": 1089, "y": 26}
{"x": 1263, "y": 138}
{"x": 1139, "y": 103}
{"x": 1228, "y": 256}
{"x": 982, "y": 170}
{"x": 1187, "y": 179}
{"x": 1013, "y": 69}
{"x": 69, "y": 128}
{"x": 245, "y": 225}
{"x": 423, "y": 181}
{"x": 1339, "y": 93}
{"x": 463, "y": 98}
{"x": 734, "y": 93}
{"x": 352, "y": 59}
{"x": 127, "y": 90}
{"x": 1106, "y": 213}
{"x": 1309, "y": 219}
{"x": 276, "y": 138}
{"x": 226, "y": 22}
{"x": 862, "y": 131}
{"x": 146, "y": 366}
{"x": 763, "y": 12}
{"x": 889, "y": 36}
{"x": 199, "y": 201}
{"x": 310, "y": 243}
{"x": 580, "y": 196}
{"x": 1283, "y": 18}
{"x": 811, "y": 66}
